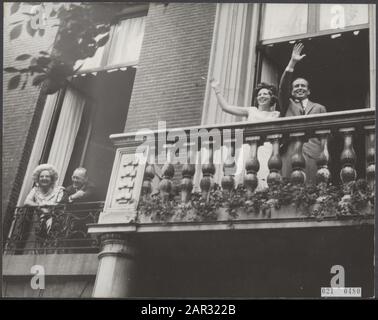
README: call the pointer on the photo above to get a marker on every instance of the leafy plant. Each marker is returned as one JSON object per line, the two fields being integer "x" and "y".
{"x": 206, "y": 209}
{"x": 157, "y": 209}
{"x": 83, "y": 28}
{"x": 323, "y": 200}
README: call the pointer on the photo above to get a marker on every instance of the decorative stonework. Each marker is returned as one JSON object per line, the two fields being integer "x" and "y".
{"x": 125, "y": 187}
{"x": 126, "y": 179}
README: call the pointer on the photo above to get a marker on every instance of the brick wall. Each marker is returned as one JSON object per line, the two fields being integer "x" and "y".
{"x": 20, "y": 112}
{"x": 175, "y": 55}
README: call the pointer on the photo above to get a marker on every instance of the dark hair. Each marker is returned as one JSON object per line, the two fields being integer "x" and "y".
{"x": 273, "y": 91}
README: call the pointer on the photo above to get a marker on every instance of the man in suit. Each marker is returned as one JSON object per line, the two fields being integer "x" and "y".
{"x": 80, "y": 190}
{"x": 294, "y": 101}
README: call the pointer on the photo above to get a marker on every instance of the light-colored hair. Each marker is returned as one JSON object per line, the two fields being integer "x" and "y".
{"x": 83, "y": 171}
{"x": 45, "y": 167}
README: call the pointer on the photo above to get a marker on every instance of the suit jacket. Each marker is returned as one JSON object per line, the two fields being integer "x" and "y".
{"x": 290, "y": 108}
{"x": 89, "y": 193}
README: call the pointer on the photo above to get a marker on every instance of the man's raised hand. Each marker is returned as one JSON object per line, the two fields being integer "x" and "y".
{"x": 296, "y": 54}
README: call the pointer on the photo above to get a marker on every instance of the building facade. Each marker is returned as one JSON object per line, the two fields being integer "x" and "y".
{"x": 161, "y": 229}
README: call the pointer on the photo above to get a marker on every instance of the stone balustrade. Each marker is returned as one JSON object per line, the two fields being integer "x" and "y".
{"x": 196, "y": 170}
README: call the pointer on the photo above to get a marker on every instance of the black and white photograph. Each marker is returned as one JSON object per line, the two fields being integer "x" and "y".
{"x": 188, "y": 150}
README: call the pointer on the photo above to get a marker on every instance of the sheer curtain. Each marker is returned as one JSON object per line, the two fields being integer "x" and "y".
{"x": 122, "y": 48}
{"x": 126, "y": 41}
{"x": 269, "y": 72}
{"x": 66, "y": 132}
{"x": 39, "y": 142}
{"x": 283, "y": 19}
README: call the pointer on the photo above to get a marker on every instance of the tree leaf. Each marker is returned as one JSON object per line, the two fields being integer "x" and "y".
{"x": 103, "y": 41}
{"x": 29, "y": 29}
{"x": 16, "y": 22}
{"x": 29, "y": 14}
{"x": 36, "y": 68}
{"x": 10, "y": 69}
{"x": 15, "y": 32}
{"x": 14, "y": 82}
{"x": 43, "y": 61}
{"x": 23, "y": 57}
{"x": 25, "y": 82}
{"x": 39, "y": 79}
{"x": 15, "y": 7}
{"x": 53, "y": 13}
{"x": 24, "y": 85}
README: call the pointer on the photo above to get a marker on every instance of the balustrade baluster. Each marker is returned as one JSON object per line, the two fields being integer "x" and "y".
{"x": 149, "y": 175}
{"x": 252, "y": 166}
{"x": 168, "y": 171}
{"x": 274, "y": 162}
{"x": 208, "y": 170}
{"x": 348, "y": 157}
{"x": 370, "y": 157}
{"x": 188, "y": 171}
{"x": 229, "y": 168}
{"x": 298, "y": 162}
{"x": 323, "y": 174}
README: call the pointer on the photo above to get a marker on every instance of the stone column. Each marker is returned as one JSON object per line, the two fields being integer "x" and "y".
{"x": 116, "y": 270}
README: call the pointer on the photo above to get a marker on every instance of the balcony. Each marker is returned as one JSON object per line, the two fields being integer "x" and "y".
{"x": 146, "y": 195}
{"x": 60, "y": 229}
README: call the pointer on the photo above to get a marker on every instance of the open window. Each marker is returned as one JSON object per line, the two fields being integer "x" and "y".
{"x": 338, "y": 63}
{"x": 107, "y": 96}
{"x": 336, "y": 44}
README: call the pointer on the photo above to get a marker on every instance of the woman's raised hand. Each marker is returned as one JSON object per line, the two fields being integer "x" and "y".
{"x": 215, "y": 85}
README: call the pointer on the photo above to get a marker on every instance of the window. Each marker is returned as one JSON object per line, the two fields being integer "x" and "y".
{"x": 282, "y": 22}
{"x": 95, "y": 105}
{"x": 339, "y": 62}
{"x": 122, "y": 48}
{"x": 336, "y": 46}
{"x": 333, "y": 16}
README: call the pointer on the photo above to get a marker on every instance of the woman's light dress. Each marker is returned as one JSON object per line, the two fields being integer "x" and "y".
{"x": 263, "y": 152}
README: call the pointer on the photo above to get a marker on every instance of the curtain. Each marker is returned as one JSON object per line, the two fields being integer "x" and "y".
{"x": 232, "y": 63}
{"x": 126, "y": 41}
{"x": 269, "y": 72}
{"x": 39, "y": 143}
{"x": 283, "y": 19}
{"x": 66, "y": 132}
{"x": 122, "y": 48}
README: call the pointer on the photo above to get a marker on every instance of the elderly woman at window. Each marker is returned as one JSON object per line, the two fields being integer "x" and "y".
{"x": 44, "y": 193}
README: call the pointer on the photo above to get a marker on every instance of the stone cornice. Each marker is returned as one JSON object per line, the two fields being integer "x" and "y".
{"x": 289, "y": 223}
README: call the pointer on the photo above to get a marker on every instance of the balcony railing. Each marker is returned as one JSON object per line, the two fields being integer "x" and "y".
{"x": 53, "y": 229}
{"x": 143, "y": 192}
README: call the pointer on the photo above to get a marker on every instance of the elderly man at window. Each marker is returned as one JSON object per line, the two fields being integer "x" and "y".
{"x": 81, "y": 189}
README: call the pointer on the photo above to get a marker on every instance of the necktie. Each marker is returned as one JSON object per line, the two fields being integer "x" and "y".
{"x": 303, "y": 109}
